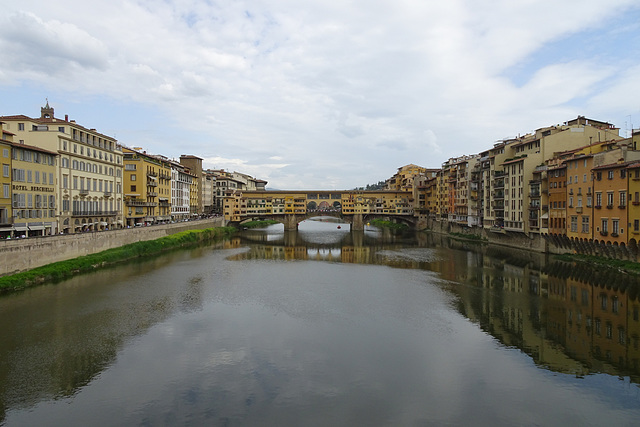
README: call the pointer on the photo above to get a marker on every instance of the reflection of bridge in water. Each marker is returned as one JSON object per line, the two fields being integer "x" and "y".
{"x": 292, "y": 207}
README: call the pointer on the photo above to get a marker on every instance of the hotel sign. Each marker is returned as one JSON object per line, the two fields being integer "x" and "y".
{"x": 33, "y": 188}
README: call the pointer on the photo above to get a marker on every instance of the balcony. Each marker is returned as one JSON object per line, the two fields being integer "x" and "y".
{"x": 579, "y": 209}
{"x": 598, "y": 206}
{"x": 604, "y": 233}
{"x": 609, "y": 206}
{"x": 152, "y": 183}
{"x": 107, "y": 194}
{"x": 622, "y": 206}
{"x": 154, "y": 174}
{"x": 84, "y": 192}
{"x": 93, "y": 213}
{"x": 140, "y": 203}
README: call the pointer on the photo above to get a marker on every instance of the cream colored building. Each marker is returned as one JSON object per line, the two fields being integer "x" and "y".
{"x": 88, "y": 175}
{"x": 181, "y": 182}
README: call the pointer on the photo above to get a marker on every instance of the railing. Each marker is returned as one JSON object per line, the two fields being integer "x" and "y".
{"x": 152, "y": 183}
{"x": 107, "y": 194}
{"x": 84, "y": 192}
{"x": 140, "y": 203}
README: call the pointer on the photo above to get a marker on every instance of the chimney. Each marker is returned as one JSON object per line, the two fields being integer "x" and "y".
{"x": 66, "y": 117}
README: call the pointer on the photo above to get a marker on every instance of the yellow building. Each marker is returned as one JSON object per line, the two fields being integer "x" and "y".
{"x": 633, "y": 175}
{"x": 5, "y": 184}
{"x": 147, "y": 188}
{"x": 403, "y": 179}
{"x": 88, "y": 175}
{"x": 33, "y": 191}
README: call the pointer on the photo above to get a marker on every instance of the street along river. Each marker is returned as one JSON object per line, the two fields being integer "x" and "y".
{"x": 325, "y": 327}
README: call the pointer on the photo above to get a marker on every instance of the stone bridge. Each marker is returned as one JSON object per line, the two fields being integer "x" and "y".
{"x": 292, "y": 207}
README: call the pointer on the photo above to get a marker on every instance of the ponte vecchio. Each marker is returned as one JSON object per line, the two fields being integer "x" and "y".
{"x": 290, "y": 207}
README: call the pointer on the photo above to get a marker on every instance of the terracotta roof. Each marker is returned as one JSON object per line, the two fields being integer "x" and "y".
{"x": 615, "y": 165}
{"x": 55, "y": 121}
{"x": 31, "y": 147}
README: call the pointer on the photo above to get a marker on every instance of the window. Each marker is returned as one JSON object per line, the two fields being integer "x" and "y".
{"x": 38, "y": 177}
{"x": 603, "y": 301}
{"x": 574, "y": 224}
{"x": 615, "y": 227}
{"x": 610, "y": 199}
{"x": 598, "y": 199}
{"x": 6, "y": 170}
{"x": 130, "y": 167}
{"x": 20, "y": 126}
{"x": 133, "y": 177}
{"x": 610, "y": 175}
{"x": 585, "y": 224}
{"x": 133, "y": 188}
{"x": 623, "y": 198}
{"x": 614, "y": 304}
{"x": 5, "y": 152}
{"x": 605, "y": 226}
{"x": 29, "y": 176}
{"x": 584, "y": 178}
{"x": 6, "y": 191}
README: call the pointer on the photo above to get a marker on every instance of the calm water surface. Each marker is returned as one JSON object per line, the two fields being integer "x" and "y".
{"x": 325, "y": 327}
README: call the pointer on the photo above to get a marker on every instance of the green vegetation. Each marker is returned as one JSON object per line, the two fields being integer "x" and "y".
{"x": 468, "y": 236}
{"x": 618, "y": 264}
{"x": 380, "y": 223}
{"x": 371, "y": 187}
{"x": 65, "y": 269}
{"x": 259, "y": 224}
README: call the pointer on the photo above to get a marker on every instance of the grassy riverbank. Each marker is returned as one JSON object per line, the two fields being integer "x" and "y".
{"x": 380, "y": 223}
{"x": 258, "y": 224}
{"x": 66, "y": 269}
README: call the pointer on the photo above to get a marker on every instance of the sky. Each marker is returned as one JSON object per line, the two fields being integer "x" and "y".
{"x": 321, "y": 94}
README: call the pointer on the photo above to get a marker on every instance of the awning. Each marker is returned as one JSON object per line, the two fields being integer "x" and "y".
{"x": 104, "y": 224}
{"x": 36, "y": 227}
{"x": 21, "y": 228}
{"x": 119, "y": 221}
{"x": 545, "y": 215}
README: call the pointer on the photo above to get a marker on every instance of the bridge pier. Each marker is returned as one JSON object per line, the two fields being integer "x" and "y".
{"x": 357, "y": 223}
{"x": 290, "y": 222}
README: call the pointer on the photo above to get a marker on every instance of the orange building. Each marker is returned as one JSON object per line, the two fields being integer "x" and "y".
{"x": 557, "y": 179}
{"x": 579, "y": 197}
{"x": 610, "y": 203}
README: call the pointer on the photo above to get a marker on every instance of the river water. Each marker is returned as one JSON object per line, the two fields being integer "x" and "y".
{"x": 325, "y": 327}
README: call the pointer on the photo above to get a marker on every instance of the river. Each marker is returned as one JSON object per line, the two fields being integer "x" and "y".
{"x": 325, "y": 327}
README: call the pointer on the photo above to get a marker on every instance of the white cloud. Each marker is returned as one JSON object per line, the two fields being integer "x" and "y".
{"x": 335, "y": 93}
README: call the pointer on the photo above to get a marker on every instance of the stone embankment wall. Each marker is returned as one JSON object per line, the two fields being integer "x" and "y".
{"x": 516, "y": 240}
{"x": 24, "y": 254}
{"x": 549, "y": 244}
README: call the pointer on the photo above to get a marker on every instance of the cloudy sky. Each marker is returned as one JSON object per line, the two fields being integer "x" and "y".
{"x": 321, "y": 94}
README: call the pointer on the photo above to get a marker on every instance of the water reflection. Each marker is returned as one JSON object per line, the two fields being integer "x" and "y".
{"x": 243, "y": 329}
{"x": 569, "y": 318}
